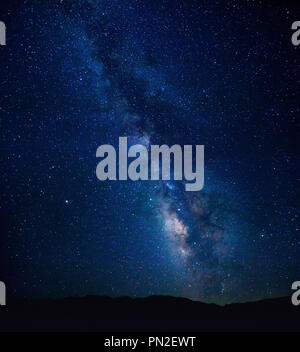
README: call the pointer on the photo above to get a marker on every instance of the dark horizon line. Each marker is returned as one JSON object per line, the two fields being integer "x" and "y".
{"x": 57, "y": 299}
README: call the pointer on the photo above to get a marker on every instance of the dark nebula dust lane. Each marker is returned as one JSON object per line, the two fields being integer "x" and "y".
{"x": 75, "y": 75}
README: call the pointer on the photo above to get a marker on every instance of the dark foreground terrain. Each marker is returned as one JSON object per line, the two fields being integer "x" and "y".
{"x": 157, "y": 313}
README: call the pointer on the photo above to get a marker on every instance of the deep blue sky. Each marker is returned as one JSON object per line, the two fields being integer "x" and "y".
{"x": 75, "y": 75}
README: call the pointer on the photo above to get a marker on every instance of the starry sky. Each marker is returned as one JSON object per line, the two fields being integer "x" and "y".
{"x": 76, "y": 75}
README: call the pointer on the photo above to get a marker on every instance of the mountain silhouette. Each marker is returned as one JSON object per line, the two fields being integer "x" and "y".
{"x": 154, "y": 313}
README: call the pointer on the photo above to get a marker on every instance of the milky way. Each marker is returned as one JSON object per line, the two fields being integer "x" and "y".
{"x": 76, "y": 75}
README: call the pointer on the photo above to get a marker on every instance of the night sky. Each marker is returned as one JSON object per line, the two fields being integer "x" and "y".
{"x": 76, "y": 75}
